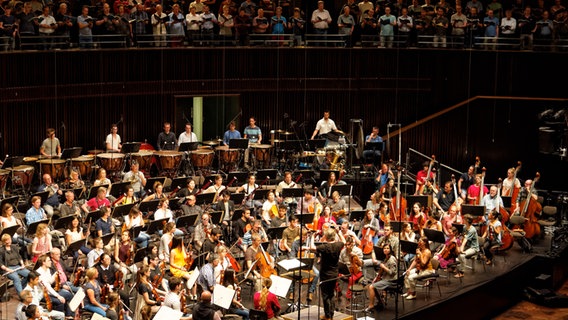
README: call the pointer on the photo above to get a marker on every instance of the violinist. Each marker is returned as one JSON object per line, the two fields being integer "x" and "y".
{"x": 27, "y": 299}
{"x": 237, "y": 307}
{"x": 352, "y": 257}
{"x": 449, "y": 252}
{"x": 124, "y": 255}
{"x": 420, "y": 267}
{"x": 92, "y": 301}
{"x": 9, "y": 220}
{"x": 10, "y": 260}
{"x": 326, "y": 220}
{"x": 107, "y": 276}
{"x": 136, "y": 178}
{"x": 407, "y": 234}
{"x": 212, "y": 241}
{"x": 62, "y": 270}
{"x": 474, "y": 190}
{"x": 433, "y": 223}
{"x": 166, "y": 241}
{"x": 492, "y": 201}
{"x": 94, "y": 255}
{"x": 387, "y": 273}
{"x": 248, "y": 188}
{"x": 269, "y": 209}
{"x": 132, "y": 220}
{"x": 524, "y": 194}
{"x": 157, "y": 273}
{"x": 217, "y": 187}
{"x": 492, "y": 235}
{"x": 202, "y": 231}
{"x": 346, "y": 233}
{"x": 450, "y": 218}
{"x": 444, "y": 199}
{"x": 288, "y": 236}
{"x": 510, "y": 183}
{"x": 390, "y": 239}
{"x": 32, "y": 312}
{"x": 326, "y": 186}
{"x": 329, "y": 252}
{"x": 173, "y": 297}
{"x": 224, "y": 263}
{"x": 146, "y": 295}
{"x": 469, "y": 246}
{"x": 206, "y": 278}
{"x": 164, "y": 211}
{"x": 242, "y": 226}
{"x": 70, "y": 206}
{"x": 418, "y": 217}
{"x": 338, "y": 207}
{"x": 114, "y": 307}
{"x": 36, "y": 291}
{"x": 179, "y": 259}
{"x": 60, "y": 298}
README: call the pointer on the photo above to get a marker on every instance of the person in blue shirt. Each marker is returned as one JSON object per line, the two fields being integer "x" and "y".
{"x": 373, "y": 155}
{"x": 278, "y": 22}
{"x": 232, "y": 133}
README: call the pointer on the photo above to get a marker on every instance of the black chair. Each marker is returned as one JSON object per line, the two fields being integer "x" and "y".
{"x": 257, "y": 314}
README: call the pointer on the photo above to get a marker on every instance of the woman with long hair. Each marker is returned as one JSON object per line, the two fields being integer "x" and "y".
{"x": 75, "y": 233}
{"x": 42, "y": 241}
{"x": 92, "y": 288}
{"x": 146, "y": 297}
{"x": 267, "y": 301}
{"x": 236, "y": 306}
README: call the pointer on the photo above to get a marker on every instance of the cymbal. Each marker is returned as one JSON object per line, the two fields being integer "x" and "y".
{"x": 211, "y": 142}
{"x": 287, "y": 133}
{"x": 340, "y": 132}
{"x": 277, "y": 131}
{"x": 277, "y": 141}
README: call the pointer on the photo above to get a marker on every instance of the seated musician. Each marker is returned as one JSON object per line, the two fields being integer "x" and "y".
{"x": 97, "y": 202}
{"x": 491, "y": 200}
{"x": 108, "y": 274}
{"x": 163, "y": 211}
{"x": 339, "y": 208}
{"x": 35, "y": 213}
{"x": 326, "y": 187}
{"x": 269, "y": 209}
{"x": 26, "y": 306}
{"x": 248, "y": 188}
{"x": 206, "y": 278}
{"x": 146, "y": 296}
{"x": 62, "y": 270}
{"x": 115, "y": 308}
{"x": 469, "y": 246}
{"x": 157, "y": 272}
{"x": 75, "y": 233}
{"x": 224, "y": 262}
{"x": 36, "y": 291}
{"x": 173, "y": 297}
{"x": 510, "y": 183}
{"x": 134, "y": 219}
{"x": 75, "y": 182}
{"x": 189, "y": 189}
{"x": 104, "y": 225}
{"x": 407, "y": 234}
{"x": 444, "y": 199}
{"x": 266, "y": 301}
{"x": 59, "y": 299}
{"x": 217, "y": 187}
{"x": 492, "y": 235}
{"x": 326, "y": 220}
{"x": 94, "y": 255}
{"x": 386, "y": 274}
{"x": 212, "y": 241}
{"x": 288, "y": 236}
{"x": 309, "y": 201}
{"x": 70, "y": 206}
{"x": 190, "y": 207}
{"x": 390, "y": 239}
{"x": 345, "y": 233}
{"x": 241, "y": 226}
{"x": 9, "y": 220}
{"x": 42, "y": 242}
{"x": 202, "y": 231}
{"x": 450, "y": 218}
{"x": 158, "y": 192}
{"x": 129, "y": 197}
{"x": 230, "y": 282}
{"x": 285, "y": 184}
{"x": 102, "y": 180}
{"x": 371, "y": 223}
{"x": 421, "y": 266}
{"x": 166, "y": 241}
{"x": 422, "y": 176}
{"x": 227, "y": 206}
{"x": 180, "y": 263}
{"x": 124, "y": 252}
{"x": 373, "y": 156}
{"x": 388, "y": 191}
{"x": 474, "y": 190}
{"x": 430, "y": 187}
{"x": 256, "y": 228}
{"x": 449, "y": 252}
{"x": 418, "y": 217}
{"x": 204, "y": 308}
{"x": 384, "y": 174}
{"x": 374, "y": 202}
{"x": 12, "y": 264}
{"x": 250, "y": 258}
{"x": 524, "y": 195}
{"x": 304, "y": 252}
{"x": 433, "y": 223}
{"x": 136, "y": 178}
{"x": 352, "y": 257}
{"x": 280, "y": 220}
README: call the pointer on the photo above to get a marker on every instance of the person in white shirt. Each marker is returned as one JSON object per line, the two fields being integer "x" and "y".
{"x": 113, "y": 142}
{"x": 324, "y": 126}
{"x": 187, "y": 135}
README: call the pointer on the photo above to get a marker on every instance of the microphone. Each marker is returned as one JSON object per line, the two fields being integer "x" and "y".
{"x": 293, "y": 123}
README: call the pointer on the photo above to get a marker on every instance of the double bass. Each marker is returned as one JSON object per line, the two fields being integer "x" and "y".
{"x": 513, "y": 192}
{"x": 507, "y": 239}
{"x": 529, "y": 209}
{"x": 423, "y": 186}
{"x": 398, "y": 203}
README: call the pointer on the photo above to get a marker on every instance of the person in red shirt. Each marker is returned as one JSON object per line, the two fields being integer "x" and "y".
{"x": 267, "y": 301}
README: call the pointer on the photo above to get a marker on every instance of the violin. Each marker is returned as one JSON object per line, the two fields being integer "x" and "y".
{"x": 104, "y": 292}
{"x": 158, "y": 278}
{"x": 449, "y": 251}
{"x": 57, "y": 285}
{"x": 157, "y": 296}
{"x": 47, "y": 298}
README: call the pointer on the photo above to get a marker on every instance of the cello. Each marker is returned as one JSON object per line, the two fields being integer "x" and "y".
{"x": 265, "y": 263}
{"x": 507, "y": 239}
{"x": 501, "y": 210}
{"x": 423, "y": 186}
{"x": 529, "y": 209}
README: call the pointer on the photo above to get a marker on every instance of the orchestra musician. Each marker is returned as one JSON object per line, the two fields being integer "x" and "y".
{"x": 373, "y": 156}
{"x": 443, "y": 200}
{"x": 492, "y": 235}
{"x": 466, "y": 179}
{"x": 491, "y": 200}
{"x": 418, "y": 217}
{"x": 280, "y": 220}
{"x": 145, "y": 295}
{"x": 256, "y": 228}
{"x": 206, "y": 278}
{"x": 237, "y": 306}
{"x": 449, "y": 251}
{"x": 324, "y": 126}
{"x": 172, "y": 299}
{"x": 204, "y": 308}
{"x": 226, "y": 205}
{"x": 248, "y": 188}
{"x": 420, "y": 267}
{"x": 136, "y": 178}
{"x": 370, "y": 222}
{"x": 52, "y": 202}
{"x": 163, "y": 211}
{"x": 524, "y": 194}
{"x": 433, "y": 223}
{"x": 158, "y": 192}
{"x": 307, "y": 202}
{"x": 224, "y": 262}
{"x": 250, "y": 259}
{"x": 288, "y": 236}
{"x": 134, "y": 219}
{"x": 338, "y": 207}
{"x": 36, "y": 291}
{"x": 474, "y": 189}
{"x": 469, "y": 246}
{"x": 190, "y": 207}
{"x": 384, "y": 174}
{"x": 326, "y": 186}
{"x": 241, "y": 226}
{"x": 346, "y": 257}
{"x": 180, "y": 263}
{"x": 253, "y": 133}
{"x": 104, "y": 225}
{"x": 129, "y": 197}
{"x": 374, "y": 202}
{"x": 329, "y": 252}
{"x": 12, "y": 264}
{"x": 75, "y": 182}
{"x": 388, "y": 191}
{"x": 107, "y": 276}
{"x": 94, "y": 255}
{"x": 50, "y": 147}
{"x": 97, "y": 202}
{"x": 390, "y": 239}
{"x": 112, "y": 141}
{"x": 508, "y": 184}
{"x": 42, "y": 242}
{"x": 267, "y": 301}
{"x": 102, "y": 180}
{"x": 386, "y": 274}
{"x": 232, "y": 133}
{"x": 27, "y": 300}
{"x": 187, "y": 135}
{"x": 346, "y": 233}
{"x": 59, "y": 299}
{"x": 212, "y": 241}
{"x": 201, "y": 232}
{"x": 124, "y": 255}
{"x": 70, "y": 206}
{"x": 284, "y": 184}
{"x": 62, "y": 270}
{"x": 9, "y": 220}
{"x": 190, "y": 189}
{"x": 326, "y": 220}
{"x": 166, "y": 241}
{"x": 269, "y": 209}
{"x": 166, "y": 139}
{"x": 217, "y": 187}
{"x": 422, "y": 176}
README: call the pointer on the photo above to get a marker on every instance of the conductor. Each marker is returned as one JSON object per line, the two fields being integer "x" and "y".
{"x": 329, "y": 270}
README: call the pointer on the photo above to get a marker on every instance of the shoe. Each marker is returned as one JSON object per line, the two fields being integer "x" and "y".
{"x": 404, "y": 295}
{"x": 291, "y": 296}
{"x": 368, "y": 309}
{"x": 310, "y": 296}
{"x": 488, "y": 262}
{"x": 458, "y": 275}
{"x": 410, "y": 297}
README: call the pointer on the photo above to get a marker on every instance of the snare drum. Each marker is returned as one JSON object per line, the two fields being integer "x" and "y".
{"x": 54, "y": 167}
{"x": 262, "y": 152}
{"x": 22, "y": 176}
{"x": 84, "y": 164}
{"x": 227, "y": 155}
{"x": 168, "y": 160}
{"x": 111, "y": 161}
{"x": 202, "y": 158}
{"x": 144, "y": 159}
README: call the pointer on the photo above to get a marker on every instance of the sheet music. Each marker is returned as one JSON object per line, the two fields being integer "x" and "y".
{"x": 97, "y": 316}
{"x": 223, "y": 296}
{"x": 289, "y": 264}
{"x": 168, "y": 313}
{"x": 193, "y": 277}
{"x": 77, "y": 299}
{"x": 280, "y": 286}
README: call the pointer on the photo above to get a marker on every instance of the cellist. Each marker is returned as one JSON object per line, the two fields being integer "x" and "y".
{"x": 491, "y": 200}
{"x": 251, "y": 260}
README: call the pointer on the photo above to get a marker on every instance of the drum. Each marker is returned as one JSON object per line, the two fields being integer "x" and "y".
{"x": 144, "y": 159}
{"x": 4, "y": 174}
{"x": 31, "y": 161}
{"x": 84, "y": 164}
{"x": 262, "y": 152}
{"x": 22, "y": 176}
{"x": 202, "y": 158}
{"x": 54, "y": 167}
{"x": 168, "y": 160}
{"x": 111, "y": 161}
{"x": 227, "y": 155}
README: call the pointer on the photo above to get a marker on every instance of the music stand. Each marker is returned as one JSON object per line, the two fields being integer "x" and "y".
{"x": 423, "y": 200}
{"x": 118, "y": 188}
{"x": 343, "y": 189}
{"x": 459, "y": 227}
{"x": 147, "y": 206}
{"x": 305, "y": 218}
{"x": 204, "y": 198}
{"x": 306, "y": 174}
{"x": 78, "y": 192}
{"x": 238, "y": 143}
{"x": 375, "y": 146}
{"x": 150, "y": 182}
{"x": 43, "y": 195}
{"x": 239, "y": 175}
{"x": 135, "y": 231}
{"x": 316, "y": 144}
{"x": 179, "y": 182}
{"x": 156, "y": 225}
{"x": 186, "y": 221}
{"x": 379, "y": 254}
{"x": 506, "y": 201}
{"x": 139, "y": 255}
{"x": 107, "y": 237}
{"x": 33, "y": 226}
{"x": 11, "y": 200}
{"x": 93, "y": 215}
{"x": 408, "y": 246}
{"x": 122, "y": 210}
{"x": 357, "y": 215}
{"x": 270, "y": 173}
{"x": 237, "y": 214}
{"x": 293, "y": 145}
{"x": 13, "y": 162}
{"x": 175, "y": 204}
{"x": 324, "y": 174}
{"x": 396, "y": 226}
{"x": 292, "y": 192}
{"x": 131, "y": 147}
{"x": 71, "y": 153}
{"x": 260, "y": 194}
{"x": 188, "y": 146}
{"x": 434, "y": 235}
{"x": 472, "y": 210}
{"x": 265, "y": 245}
{"x": 215, "y": 217}
{"x": 275, "y": 232}
{"x": 94, "y": 189}
{"x": 63, "y": 222}
{"x": 238, "y": 197}
{"x": 10, "y": 230}
{"x": 74, "y": 247}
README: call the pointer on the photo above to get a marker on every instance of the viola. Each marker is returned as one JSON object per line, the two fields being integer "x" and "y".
{"x": 158, "y": 279}
{"x": 118, "y": 284}
{"x": 104, "y": 292}
{"x": 78, "y": 276}
{"x": 355, "y": 266}
{"x": 47, "y": 298}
